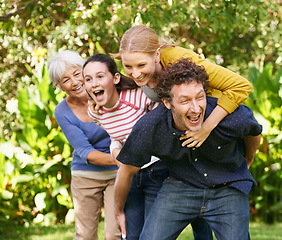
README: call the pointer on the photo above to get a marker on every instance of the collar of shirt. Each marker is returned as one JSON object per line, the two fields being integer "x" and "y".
{"x": 170, "y": 125}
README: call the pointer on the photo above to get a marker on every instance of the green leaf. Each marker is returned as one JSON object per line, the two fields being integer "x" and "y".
{"x": 44, "y": 86}
{"x": 63, "y": 200}
{"x": 6, "y": 194}
{"x": 50, "y": 163}
{"x": 23, "y": 104}
{"x": 270, "y": 188}
{"x": 22, "y": 178}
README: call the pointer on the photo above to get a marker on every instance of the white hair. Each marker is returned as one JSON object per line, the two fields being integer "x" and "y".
{"x": 58, "y": 64}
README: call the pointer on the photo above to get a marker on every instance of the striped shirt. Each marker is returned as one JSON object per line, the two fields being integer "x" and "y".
{"x": 119, "y": 120}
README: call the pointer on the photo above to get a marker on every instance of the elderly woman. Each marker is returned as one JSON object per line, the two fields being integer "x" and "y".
{"x": 93, "y": 169}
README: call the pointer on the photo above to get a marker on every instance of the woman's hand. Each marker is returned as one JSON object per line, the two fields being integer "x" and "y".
{"x": 93, "y": 106}
{"x": 195, "y": 138}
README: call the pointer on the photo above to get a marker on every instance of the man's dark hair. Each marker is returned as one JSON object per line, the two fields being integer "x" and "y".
{"x": 182, "y": 71}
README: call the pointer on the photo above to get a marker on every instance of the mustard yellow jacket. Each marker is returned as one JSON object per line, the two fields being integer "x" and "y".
{"x": 233, "y": 88}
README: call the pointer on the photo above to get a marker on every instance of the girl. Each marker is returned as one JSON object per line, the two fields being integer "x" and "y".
{"x": 122, "y": 103}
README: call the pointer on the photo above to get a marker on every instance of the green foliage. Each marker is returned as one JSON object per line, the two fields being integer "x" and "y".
{"x": 266, "y": 101}
{"x": 35, "y": 173}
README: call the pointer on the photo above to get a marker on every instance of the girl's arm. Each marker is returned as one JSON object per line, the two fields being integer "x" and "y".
{"x": 115, "y": 148}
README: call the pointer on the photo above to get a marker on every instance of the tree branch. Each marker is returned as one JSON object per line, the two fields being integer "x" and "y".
{"x": 15, "y": 12}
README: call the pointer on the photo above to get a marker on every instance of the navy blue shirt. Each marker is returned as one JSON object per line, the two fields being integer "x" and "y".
{"x": 217, "y": 162}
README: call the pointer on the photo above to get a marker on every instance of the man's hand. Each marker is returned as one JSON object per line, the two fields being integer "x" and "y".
{"x": 121, "y": 220}
{"x": 122, "y": 187}
{"x": 251, "y": 146}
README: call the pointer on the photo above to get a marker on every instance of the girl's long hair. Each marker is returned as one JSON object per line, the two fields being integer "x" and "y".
{"x": 143, "y": 39}
{"x": 125, "y": 83}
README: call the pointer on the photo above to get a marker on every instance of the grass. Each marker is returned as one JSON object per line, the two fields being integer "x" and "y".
{"x": 9, "y": 231}
{"x": 258, "y": 231}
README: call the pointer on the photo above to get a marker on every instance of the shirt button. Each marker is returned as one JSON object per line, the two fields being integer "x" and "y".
{"x": 174, "y": 133}
{"x": 219, "y": 147}
{"x": 205, "y": 174}
{"x": 196, "y": 159}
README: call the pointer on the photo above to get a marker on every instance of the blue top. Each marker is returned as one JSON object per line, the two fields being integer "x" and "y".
{"x": 84, "y": 138}
{"x": 217, "y": 162}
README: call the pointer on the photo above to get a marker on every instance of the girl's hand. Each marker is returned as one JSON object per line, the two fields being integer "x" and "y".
{"x": 115, "y": 153}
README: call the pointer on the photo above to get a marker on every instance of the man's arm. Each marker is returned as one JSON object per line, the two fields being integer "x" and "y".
{"x": 122, "y": 187}
{"x": 251, "y": 145}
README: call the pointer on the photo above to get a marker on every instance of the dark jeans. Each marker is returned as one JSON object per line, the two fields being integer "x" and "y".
{"x": 225, "y": 209}
{"x": 145, "y": 186}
